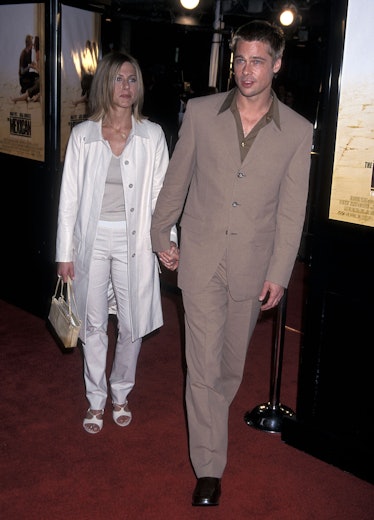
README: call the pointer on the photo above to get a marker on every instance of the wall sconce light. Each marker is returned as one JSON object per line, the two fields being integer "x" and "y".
{"x": 189, "y": 4}
{"x": 288, "y": 15}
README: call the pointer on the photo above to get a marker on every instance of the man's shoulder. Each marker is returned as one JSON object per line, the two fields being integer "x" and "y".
{"x": 288, "y": 114}
{"x": 208, "y": 101}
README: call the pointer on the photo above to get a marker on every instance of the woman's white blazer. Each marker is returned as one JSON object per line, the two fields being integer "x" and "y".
{"x": 143, "y": 166}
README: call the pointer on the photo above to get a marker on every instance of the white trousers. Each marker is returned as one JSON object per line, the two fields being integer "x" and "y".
{"x": 109, "y": 261}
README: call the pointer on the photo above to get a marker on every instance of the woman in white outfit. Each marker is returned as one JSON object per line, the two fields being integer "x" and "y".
{"x": 114, "y": 168}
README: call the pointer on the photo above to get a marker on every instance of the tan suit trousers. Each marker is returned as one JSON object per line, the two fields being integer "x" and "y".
{"x": 218, "y": 331}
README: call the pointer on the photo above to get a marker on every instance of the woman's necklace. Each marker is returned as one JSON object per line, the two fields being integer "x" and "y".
{"x": 118, "y": 131}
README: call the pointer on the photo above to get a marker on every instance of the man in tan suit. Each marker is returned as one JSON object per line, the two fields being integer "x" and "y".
{"x": 239, "y": 173}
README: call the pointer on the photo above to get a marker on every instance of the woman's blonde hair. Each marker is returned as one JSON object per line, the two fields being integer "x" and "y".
{"x": 101, "y": 92}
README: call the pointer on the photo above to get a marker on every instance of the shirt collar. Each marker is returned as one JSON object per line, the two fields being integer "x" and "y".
{"x": 95, "y": 134}
{"x": 230, "y": 103}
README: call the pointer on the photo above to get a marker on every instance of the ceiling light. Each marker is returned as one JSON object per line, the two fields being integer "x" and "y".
{"x": 189, "y": 4}
{"x": 288, "y": 15}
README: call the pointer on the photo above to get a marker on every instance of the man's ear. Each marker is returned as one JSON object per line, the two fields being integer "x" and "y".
{"x": 277, "y": 65}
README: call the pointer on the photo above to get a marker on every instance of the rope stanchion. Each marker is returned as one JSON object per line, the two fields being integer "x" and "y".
{"x": 269, "y": 416}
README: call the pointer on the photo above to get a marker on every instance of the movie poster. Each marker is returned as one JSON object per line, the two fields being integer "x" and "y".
{"x": 80, "y": 34}
{"x": 22, "y": 80}
{"x": 352, "y": 193}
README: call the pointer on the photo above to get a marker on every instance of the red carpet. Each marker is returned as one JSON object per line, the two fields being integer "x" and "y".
{"x": 50, "y": 469}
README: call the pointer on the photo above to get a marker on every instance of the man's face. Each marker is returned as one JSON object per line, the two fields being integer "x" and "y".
{"x": 254, "y": 68}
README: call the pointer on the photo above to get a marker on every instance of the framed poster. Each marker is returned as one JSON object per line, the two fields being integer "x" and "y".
{"x": 80, "y": 34}
{"x": 22, "y": 113}
{"x": 352, "y": 192}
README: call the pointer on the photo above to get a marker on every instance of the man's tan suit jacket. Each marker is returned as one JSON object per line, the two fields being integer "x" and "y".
{"x": 252, "y": 211}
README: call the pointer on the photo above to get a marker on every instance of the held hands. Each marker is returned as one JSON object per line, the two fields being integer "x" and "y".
{"x": 271, "y": 295}
{"x": 65, "y": 270}
{"x": 170, "y": 258}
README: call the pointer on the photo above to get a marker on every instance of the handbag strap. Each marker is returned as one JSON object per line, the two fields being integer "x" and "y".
{"x": 59, "y": 281}
{"x": 71, "y": 296}
{"x": 69, "y": 293}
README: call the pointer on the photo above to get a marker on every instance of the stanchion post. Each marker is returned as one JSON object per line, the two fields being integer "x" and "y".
{"x": 269, "y": 416}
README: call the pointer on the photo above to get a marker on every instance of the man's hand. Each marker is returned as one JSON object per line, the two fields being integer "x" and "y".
{"x": 170, "y": 258}
{"x": 271, "y": 295}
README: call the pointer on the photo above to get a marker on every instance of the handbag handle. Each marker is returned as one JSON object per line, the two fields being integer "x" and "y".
{"x": 59, "y": 281}
{"x": 69, "y": 292}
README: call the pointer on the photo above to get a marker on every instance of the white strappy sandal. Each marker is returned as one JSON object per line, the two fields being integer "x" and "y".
{"x": 122, "y": 412}
{"x": 90, "y": 423}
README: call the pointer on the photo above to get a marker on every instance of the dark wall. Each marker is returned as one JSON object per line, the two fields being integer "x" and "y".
{"x": 335, "y": 402}
{"x": 28, "y": 208}
{"x": 28, "y": 201}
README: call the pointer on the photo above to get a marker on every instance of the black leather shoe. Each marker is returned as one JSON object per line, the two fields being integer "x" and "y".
{"x": 207, "y": 492}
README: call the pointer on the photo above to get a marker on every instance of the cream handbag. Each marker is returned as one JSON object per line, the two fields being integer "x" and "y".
{"x": 63, "y": 314}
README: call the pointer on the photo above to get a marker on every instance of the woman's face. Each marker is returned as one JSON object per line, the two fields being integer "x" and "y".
{"x": 125, "y": 86}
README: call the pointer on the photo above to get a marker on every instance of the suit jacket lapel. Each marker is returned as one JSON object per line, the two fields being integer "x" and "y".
{"x": 228, "y": 137}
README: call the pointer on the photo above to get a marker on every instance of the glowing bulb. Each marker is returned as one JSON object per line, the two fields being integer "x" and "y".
{"x": 287, "y": 17}
{"x": 189, "y": 4}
